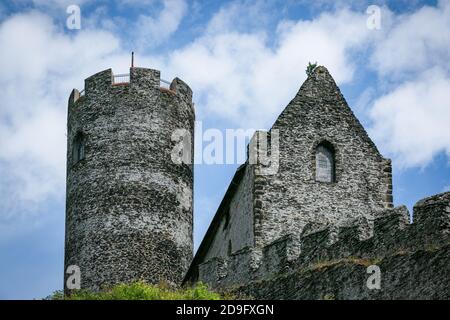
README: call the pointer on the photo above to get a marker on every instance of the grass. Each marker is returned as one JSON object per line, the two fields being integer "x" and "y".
{"x": 321, "y": 266}
{"x": 328, "y": 296}
{"x": 142, "y": 291}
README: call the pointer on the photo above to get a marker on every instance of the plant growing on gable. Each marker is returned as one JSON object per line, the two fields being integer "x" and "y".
{"x": 310, "y": 68}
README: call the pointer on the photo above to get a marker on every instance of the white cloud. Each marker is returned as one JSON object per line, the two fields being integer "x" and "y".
{"x": 250, "y": 83}
{"x": 252, "y": 80}
{"x": 241, "y": 16}
{"x": 52, "y": 3}
{"x": 237, "y": 75}
{"x": 152, "y": 31}
{"x": 38, "y": 71}
{"x": 411, "y": 122}
{"x": 414, "y": 42}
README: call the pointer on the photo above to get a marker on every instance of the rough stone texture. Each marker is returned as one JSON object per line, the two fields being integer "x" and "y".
{"x": 129, "y": 207}
{"x": 413, "y": 259}
{"x": 292, "y": 198}
{"x": 285, "y": 202}
{"x": 313, "y": 239}
{"x": 236, "y": 231}
{"x": 277, "y": 236}
{"x": 220, "y": 241}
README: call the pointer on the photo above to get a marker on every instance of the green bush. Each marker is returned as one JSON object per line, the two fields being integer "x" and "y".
{"x": 310, "y": 68}
{"x": 142, "y": 291}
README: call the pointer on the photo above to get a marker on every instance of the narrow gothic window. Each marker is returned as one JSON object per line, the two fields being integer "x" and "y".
{"x": 325, "y": 163}
{"x": 78, "y": 148}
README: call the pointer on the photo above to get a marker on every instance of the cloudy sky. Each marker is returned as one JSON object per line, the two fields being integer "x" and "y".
{"x": 244, "y": 61}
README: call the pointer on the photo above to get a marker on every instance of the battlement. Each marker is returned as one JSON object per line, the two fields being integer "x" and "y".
{"x": 105, "y": 82}
{"x": 388, "y": 234}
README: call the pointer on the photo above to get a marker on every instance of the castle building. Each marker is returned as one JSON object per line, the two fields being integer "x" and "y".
{"x": 329, "y": 172}
{"x": 129, "y": 211}
{"x": 312, "y": 225}
{"x": 307, "y": 216}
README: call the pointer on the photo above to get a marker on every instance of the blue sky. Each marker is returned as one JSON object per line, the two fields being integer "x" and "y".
{"x": 244, "y": 61}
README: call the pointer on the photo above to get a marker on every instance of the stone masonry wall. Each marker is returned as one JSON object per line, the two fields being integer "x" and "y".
{"x": 285, "y": 196}
{"x": 292, "y": 198}
{"x": 413, "y": 259}
{"x": 129, "y": 207}
{"x": 236, "y": 231}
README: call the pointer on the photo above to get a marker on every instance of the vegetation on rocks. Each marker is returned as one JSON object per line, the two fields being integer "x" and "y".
{"x": 310, "y": 68}
{"x": 142, "y": 291}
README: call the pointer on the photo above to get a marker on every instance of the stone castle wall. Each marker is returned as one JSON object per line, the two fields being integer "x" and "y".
{"x": 269, "y": 200}
{"x": 235, "y": 230}
{"x": 413, "y": 259}
{"x": 129, "y": 211}
{"x": 292, "y": 198}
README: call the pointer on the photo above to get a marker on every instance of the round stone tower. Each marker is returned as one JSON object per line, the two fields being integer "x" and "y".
{"x": 129, "y": 205}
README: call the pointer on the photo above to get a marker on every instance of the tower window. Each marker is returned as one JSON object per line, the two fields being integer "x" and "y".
{"x": 78, "y": 148}
{"x": 325, "y": 171}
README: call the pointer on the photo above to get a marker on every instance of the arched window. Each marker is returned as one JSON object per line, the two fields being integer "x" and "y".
{"x": 78, "y": 148}
{"x": 325, "y": 163}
